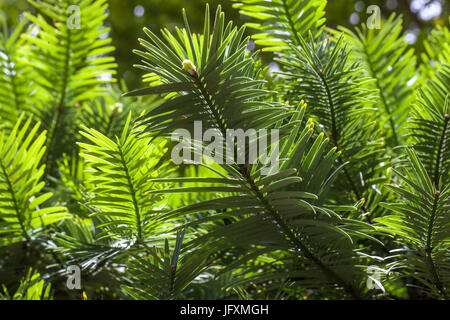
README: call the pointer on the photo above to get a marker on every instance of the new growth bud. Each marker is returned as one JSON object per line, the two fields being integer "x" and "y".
{"x": 189, "y": 67}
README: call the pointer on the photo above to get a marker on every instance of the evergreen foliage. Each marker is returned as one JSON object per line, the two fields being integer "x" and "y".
{"x": 87, "y": 176}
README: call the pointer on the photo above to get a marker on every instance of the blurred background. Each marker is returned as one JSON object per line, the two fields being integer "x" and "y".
{"x": 128, "y": 17}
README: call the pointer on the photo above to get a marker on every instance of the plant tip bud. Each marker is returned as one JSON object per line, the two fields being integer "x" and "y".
{"x": 189, "y": 67}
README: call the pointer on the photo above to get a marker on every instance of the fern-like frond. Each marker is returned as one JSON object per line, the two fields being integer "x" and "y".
{"x": 389, "y": 60}
{"x": 430, "y": 130}
{"x": 22, "y": 214}
{"x": 79, "y": 242}
{"x": 162, "y": 274}
{"x": 340, "y": 100}
{"x": 280, "y": 23}
{"x": 437, "y": 52}
{"x": 421, "y": 221}
{"x": 277, "y": 210}
{"x": 16, "y": 80}
{"x": 117, "y": 180}
{"x": 214, "y": 77}
{"x": 71, "y": 61}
